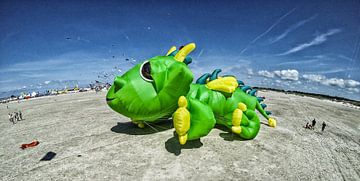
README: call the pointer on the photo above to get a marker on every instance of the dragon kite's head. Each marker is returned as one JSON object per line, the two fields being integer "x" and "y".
{"x": 150, "y": 90}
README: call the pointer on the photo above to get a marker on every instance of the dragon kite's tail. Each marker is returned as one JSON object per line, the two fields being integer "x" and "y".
{"x": 259, "y": 106}
{"x": 206, "y": 78}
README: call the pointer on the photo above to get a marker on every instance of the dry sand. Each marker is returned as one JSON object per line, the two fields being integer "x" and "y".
{"x": 93, "y": 142}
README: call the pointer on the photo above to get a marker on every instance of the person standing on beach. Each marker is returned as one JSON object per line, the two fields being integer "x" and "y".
{"x": 313, "y": 123}
{"x": 20, "y": 115}
{"x": 16, "y": 117}
{"x": 11, "y": 118}
{"x": 323, "y": 126}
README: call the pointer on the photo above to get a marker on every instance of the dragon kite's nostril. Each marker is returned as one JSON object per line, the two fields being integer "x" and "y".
{"x": 118, "y": 83}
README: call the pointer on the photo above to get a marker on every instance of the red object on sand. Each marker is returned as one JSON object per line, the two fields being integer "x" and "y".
{"x": 32, "y": 144}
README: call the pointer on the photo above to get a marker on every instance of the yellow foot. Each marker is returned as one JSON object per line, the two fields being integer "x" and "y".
{"x": 139, "y": 124}
{"x": 181, "y": 119}
{"x": 272, "y": 122}
{"x": 236, "y": 118}
{"x": 236, "y": 129}
{"x": 183, "y": 139}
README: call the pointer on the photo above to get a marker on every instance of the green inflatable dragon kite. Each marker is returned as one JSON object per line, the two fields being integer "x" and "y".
{"x": 162, "y": 87}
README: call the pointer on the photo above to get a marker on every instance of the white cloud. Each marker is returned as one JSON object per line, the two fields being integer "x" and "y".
{"x": 352, "y": 83}
{"x": 293, "y": 75}
{"x": 334, "y": 82}
{"x": 314, "y": 77}
{"x": 287, "y": 74}
{"x": 316, "y": 41}
{"x": 343, "y": 83}
{"x": 283, "y": 74}
{"x": 250, "y": 71}
{"x": 266, "y": 73}
{"x": 292, "y": 28}
{"x": 357, "y": 90}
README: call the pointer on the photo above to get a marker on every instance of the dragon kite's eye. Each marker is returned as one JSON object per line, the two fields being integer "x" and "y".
{"x": 145, "y": 71}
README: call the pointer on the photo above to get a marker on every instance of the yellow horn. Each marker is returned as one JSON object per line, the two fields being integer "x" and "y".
{"x": 173, "y": 48}
{"x": 181, "y": 55}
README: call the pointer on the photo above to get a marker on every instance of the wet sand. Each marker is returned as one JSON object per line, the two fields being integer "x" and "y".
{"x": 92, "y": 142}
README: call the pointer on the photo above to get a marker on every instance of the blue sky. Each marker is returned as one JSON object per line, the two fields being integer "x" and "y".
{"x": 307, "y": 46}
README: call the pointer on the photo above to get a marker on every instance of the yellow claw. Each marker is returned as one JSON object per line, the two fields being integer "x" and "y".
{"x": 181, "y": 120}
{"x": 236, "y": 118}
{"x": 182, "y": 102}
{"x": 236, "y": 121}
{"x": 236, "y": 129}
{"x": 242, "y": 106}
{"x": 272, "y": 122}
{"x": 183, "y": 139}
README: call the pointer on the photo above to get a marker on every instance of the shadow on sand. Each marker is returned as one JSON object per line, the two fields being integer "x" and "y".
{"x": 228, "y": 135}
{"x": 172, "y": 145}
{"x": 132, "y": 129}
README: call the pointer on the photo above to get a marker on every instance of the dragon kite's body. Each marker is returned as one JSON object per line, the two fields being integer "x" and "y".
{"x": 162, "y": 87}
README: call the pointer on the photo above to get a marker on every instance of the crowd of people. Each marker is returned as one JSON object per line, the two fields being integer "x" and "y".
{"x": 312, "y": 126}
{"x": 15, "y": 117}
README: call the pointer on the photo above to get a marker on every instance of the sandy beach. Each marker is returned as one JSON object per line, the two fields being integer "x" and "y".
{"x": 92, "y": 142}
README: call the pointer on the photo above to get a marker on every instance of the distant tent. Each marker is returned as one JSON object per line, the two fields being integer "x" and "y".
{"x": 33, "y": 94}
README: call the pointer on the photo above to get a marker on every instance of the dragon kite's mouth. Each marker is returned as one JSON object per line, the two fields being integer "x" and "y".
{"x": 109, "y": 99}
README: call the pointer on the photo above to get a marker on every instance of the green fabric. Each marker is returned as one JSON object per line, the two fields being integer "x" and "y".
{"x": 147, "y": 101}
{"x": 222, "y": 109}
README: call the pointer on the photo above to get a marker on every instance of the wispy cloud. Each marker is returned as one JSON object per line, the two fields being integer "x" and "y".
{"x": 201, "y": 52}
{"x": 85, "y": 66}
{"x": 292, "y": 28}
{"x": 299, "y": 62}
{"x": 336, "y": 70}
{"x": 268, "y": 30}
{"x": 316, "y": 41}
{"x": 343, "y": 83}
{"x": 346, "y": 58}
{"x": 66, "y": 61}
{"x": 266, "y": 73}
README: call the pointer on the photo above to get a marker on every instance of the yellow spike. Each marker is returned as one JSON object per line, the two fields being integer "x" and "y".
{"x": 173, "y": 48}
{"x": 181, "y": 55}
{"x": 224, "y": 84}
